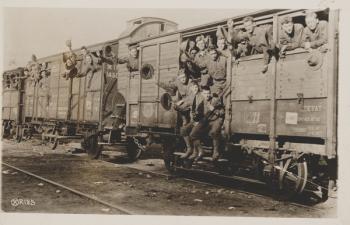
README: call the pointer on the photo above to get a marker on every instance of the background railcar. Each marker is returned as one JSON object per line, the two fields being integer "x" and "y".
{"x": 12, "y": 101}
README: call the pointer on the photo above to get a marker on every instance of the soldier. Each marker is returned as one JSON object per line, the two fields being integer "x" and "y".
{"x": 259, "y": 39}
{"x": 70, "y": 62}
{"x": 222, "y": 48}
{"x": 187, "y": 63}
{"x": 208, "y": 116}
{"x": 186, "y": 129}
{"x": 132, "y": 61}
{"x": 34, "y": 68}
{"x": 291, "y": 34}
{"x": 88, "y": 65}
{"x": 238, "y": 40}
{"x": 216, "y": 66}
{"x": 315, "y": 33}
{"x": 201, "y": 57}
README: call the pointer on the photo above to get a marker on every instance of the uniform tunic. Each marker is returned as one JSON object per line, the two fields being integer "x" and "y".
{"x": 260, "y": 40}
{"x": 217, "y": 71}
{"x": 317, "y": 37}
{"x": 200, "y": 60}
{"x": 132, "y": 63}
{"x": 293, "y": 40}
{"x": 207, "y": 125}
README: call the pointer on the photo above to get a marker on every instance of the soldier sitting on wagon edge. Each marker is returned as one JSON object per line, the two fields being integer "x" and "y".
{"x": 291, "y": 34}
{"x": 315, "y": 33}
{"x": 208, "y": 115}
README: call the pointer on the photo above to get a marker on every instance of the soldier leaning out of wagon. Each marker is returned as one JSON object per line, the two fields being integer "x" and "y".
{"x": 132, "y": 61}
{"x": 186, "y": 59}
{"x": 208, "y": 116}
{"x": 70, "y": 62}
{"x": 259, "y": 39}
{"x": 315, "y": 33}
{"x": 290, "y": 35}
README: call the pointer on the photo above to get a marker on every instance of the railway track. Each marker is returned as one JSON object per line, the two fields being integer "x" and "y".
{"x": 201, "y": 180}
{"x": 77, "y": 192}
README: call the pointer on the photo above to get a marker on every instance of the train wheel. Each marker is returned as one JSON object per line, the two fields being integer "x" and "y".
{"x": 51, "y": 142}
{"x": 292, "y": 177}
{"x": 133, "y": 148}
{"x": 90, "y": 145}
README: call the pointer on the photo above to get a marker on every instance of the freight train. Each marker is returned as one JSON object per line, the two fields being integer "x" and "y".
{"x": 280, "y": 127}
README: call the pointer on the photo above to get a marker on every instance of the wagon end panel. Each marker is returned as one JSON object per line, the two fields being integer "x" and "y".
{"x": 149, "y": 106}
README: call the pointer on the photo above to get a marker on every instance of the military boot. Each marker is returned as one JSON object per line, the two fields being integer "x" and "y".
{"x": 189, "y": 149}
{"x": 195, "y": 149}
{"x": 216, "y": 153}
{"x": 200, "y": 153}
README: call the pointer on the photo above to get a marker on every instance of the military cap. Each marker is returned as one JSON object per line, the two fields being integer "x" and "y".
{"x": 248, "y": 18}
{"x": 286, "y": 19}
{"x": 200, "y": 38}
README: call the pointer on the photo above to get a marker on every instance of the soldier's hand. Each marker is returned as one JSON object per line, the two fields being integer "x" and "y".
{"x": 211, "y": 108}
{"x": 180, "y": 102}
{"x": 230, "y": 23}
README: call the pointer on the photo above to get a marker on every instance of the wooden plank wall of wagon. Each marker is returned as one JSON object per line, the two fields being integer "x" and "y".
{"x": 63, "y": 95}
{"x": 305, "y": 116}
{"x": 162, "y": 53}
{"x": 250, "y": 116}
{"x": 123, "y": 73}
{"x": 10, "y": 104}
{"x": 92, "y": 100}
{"x": 28, "y": 98}
{"x": 54, "y": 88}
{"x": 296, "y": 76}
{"x": 149, "y": 88}
{"x": 168, "y": 70}
{"x": 42, "y": 98}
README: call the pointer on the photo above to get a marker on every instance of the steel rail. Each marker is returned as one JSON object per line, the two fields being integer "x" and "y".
{"x": 119, "y": 208}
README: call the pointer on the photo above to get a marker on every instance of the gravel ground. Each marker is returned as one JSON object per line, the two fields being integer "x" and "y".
{"x": 141, "y": 192}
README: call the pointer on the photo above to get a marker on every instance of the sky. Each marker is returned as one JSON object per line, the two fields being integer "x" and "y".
{"x": 43, "y": 31}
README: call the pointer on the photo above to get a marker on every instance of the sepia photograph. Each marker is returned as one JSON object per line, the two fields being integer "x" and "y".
{"x": 229, "y": 112}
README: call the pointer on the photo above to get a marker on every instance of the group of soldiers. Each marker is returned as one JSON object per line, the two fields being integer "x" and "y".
{"x": 202, "y": 80}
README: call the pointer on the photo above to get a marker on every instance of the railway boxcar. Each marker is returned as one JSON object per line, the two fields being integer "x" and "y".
{"x": 12, "y": 102}
{"x": 92, "y": 105}
{"x": 280, "y": 126}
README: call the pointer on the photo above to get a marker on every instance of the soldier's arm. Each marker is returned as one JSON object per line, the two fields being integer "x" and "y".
{"x": 169, "y": 87}
{"x": 122, "y": 60}
{"x": 269, "y": 36}
{"x": 298, "y": 32}
{"x": 323, "y": 35}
